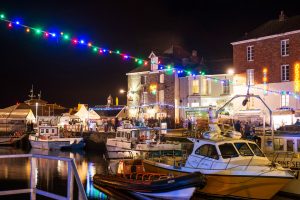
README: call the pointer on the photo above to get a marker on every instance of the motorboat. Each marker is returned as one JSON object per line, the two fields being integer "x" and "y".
{"x": 48, "y": 137}
{"x": 233, "y": 167}
{"x": 131, "y": 176}
{"x": 139, "y": 141}
{"x": 284, "y": 148}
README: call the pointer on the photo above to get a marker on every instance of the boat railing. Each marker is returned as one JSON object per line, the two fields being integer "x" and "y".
{"x": 285, "y": 155}
{"x": 34, "y": 191}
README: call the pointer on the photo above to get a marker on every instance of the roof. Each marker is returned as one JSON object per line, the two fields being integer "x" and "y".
{"x": 104, "y": 111}
{"x": 274, "y": 27}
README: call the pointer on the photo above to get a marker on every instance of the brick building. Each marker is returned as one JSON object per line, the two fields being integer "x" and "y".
{"x": 274, "y": 47}
{"x": 153, "y": 92}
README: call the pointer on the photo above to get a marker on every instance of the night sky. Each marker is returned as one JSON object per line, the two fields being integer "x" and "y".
{"x": 68, "y": 75}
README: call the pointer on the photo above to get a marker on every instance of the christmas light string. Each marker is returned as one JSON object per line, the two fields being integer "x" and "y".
{"x": 102, "y": 51}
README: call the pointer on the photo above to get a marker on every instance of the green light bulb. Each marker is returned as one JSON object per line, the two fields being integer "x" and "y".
{"x": 95, "y": 49}
{"x": 2, "y": 16}
{"x": 118, "y": 52}
{"x": 140, "y": 62}
{"x": 38, "y": 31}
{"x": 66, "y": 37}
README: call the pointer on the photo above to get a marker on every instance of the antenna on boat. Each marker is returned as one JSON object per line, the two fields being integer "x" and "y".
{"x": 31, "y": 95}
{"x": 40, "y": 95}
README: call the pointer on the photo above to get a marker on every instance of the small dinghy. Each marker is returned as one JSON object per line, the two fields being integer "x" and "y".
{"x": 132, "y": 177}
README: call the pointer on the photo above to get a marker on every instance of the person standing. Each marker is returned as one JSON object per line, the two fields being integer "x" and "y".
{"x": 247, "y": 130}
{"x": 237, "y": 126}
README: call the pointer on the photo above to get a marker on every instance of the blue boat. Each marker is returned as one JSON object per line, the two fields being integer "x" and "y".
{"x": 74, "y": 146}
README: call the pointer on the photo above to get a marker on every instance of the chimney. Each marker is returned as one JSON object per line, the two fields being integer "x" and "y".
{"x": 194, "y": 53}
{"x": 281, "y": 16}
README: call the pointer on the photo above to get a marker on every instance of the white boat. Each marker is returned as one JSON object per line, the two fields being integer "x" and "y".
{"x": 284, "y": 148}
{"x": 47, "y": 137}
{"x": 137, "y": 141}
{"x": 233, "y": 167}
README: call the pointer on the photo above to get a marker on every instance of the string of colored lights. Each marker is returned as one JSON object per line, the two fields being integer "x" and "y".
{"x": 101, "y": 51}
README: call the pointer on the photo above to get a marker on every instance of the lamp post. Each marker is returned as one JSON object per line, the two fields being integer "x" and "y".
{"x": 36, "y": 112}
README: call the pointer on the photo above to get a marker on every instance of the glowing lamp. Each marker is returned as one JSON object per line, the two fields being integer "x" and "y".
{"x": 95, "y": 49}
{"x": 265, "y": 70}
{"x": 75, "y": 41}
{"x": 297, "y": 77}
{"x": 118, "y": 52}
{"x": 153, "y": 88}
{"x": 122, "y": 91}
{"x": 17, "y": 22}
{"x": 89, "y": 44}
{"x": 27, "y": 30}
{"x": 140, "y": 62}
{"x": 46, "y": 34}
{"x": 2, "y": 16}
{"x": 230, "y": 71}
{"x": 125, "y": 57}
{"x": 53, "y": 35}
{"x": 10, "y": 25}
{"x": 145, "y": 63}
{"x": 66, "y": 37}
{"x": 81, "y": 41}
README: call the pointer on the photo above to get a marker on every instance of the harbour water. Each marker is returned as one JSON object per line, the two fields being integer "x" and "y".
{"x": 52, "y": 175}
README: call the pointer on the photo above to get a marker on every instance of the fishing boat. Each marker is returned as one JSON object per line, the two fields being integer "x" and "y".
{"x": 233, "y": 167}
{"x": 131, "y": 176}
{"x": 139, "y": 140}
{"x": 48, "y": 137}
{"x": 12, "y": 140}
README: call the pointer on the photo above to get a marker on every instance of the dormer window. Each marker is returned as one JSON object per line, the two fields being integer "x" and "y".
{"x": 285, "y": 44}
{"x": 250, "y": 53}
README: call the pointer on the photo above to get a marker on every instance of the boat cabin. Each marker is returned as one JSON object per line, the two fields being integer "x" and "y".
{"x": 219, "y": 153}
{"x": 47, "y": 131}
{"x": 136, "y": 135}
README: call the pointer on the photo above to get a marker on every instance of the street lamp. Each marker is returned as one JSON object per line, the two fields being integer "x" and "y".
{"x": 122, "y": 91}
{"x": 230, "y": 71}
{"x": 36, "y": 112}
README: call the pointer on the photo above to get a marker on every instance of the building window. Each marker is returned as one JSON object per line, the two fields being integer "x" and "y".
{"x": 161, "y": 78}
{"x": 226, "y": 88}
{"x": 145, "y": 98}
{"x": 195, "y": 104}
{"x": 195, "y": 88}
{"x": 143, "y": 80}
{"x": 161, "y": 97}
{"x": 285, "y": 100}
{"x": 47, "y": 130}
{"x": 278, "y": 144}
{"x": 285, "y": 47}
{"x": 250, "y": 77}
{"x": 250, "y": 53}
{"x": 42, "y": 130}
{"x": 285, "y": 72}
{"x": 204, "y": 86}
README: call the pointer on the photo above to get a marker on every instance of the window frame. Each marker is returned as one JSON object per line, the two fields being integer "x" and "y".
{"x": 244, "y": 145}
{"x": 210, "y": 149}
{"x": 285, "y": 72}
{"x": 285, "y": 47}
{"x": 227, "y": 156}
{"x": 250, "y": 53}
{"x": 225, "y": 87}
{"x": 284, "y": 100}
{"x": 195, "y": 86}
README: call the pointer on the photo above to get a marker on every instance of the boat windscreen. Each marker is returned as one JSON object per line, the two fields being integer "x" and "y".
{"x": 256, "y": 150}
{"x": 228, "y": 151}
{"x": 243, "y": 149}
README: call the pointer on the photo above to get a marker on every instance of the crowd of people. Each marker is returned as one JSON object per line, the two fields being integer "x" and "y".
{"x": 247, "y": 129}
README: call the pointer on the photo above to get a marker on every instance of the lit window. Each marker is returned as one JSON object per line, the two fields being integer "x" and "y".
{"x": 161, "y": 78}
{"x": 285, "y": 100}
{"x": 195, "y": 88}
{"x": 161, "y": 97}
{"x": 250, "y": 53}
{"x": 285, "y": 72}
{"x": 226, "y": 88}
{"x": 285, "y": 47}
{"x": 195, "y": 104}
{"x": 204, "y": 86}
{"x": 250, "y": 77}
{"x": 278, "y": 144}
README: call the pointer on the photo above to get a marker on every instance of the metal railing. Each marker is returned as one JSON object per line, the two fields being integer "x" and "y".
{"x": 72, "y": 172}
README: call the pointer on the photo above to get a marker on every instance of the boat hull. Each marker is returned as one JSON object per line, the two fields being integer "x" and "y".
{"x": 182, "y": 194}
{"x": 238, "y": 186}
{"x": 52, "y": 144}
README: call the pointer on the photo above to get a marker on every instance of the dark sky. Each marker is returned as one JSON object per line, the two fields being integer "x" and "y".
{"x": 68, "y": 75}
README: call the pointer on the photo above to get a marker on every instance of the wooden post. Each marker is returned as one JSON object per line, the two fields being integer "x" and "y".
{"x": 70, "y": 182}
{"x": 33, "y": 183}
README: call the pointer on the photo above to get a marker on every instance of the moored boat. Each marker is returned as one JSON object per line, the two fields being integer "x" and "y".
{"x": 48, "y": 137}
{"x": 139, "y": 140}
{"x": 132, "y": 177}
{"x": 233, "y": 167}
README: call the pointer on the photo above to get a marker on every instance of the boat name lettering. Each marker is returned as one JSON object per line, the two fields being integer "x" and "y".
{"x": 294, "y": 164}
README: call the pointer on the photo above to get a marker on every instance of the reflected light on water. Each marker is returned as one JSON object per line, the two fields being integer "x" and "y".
{"x": 91, "y": 191}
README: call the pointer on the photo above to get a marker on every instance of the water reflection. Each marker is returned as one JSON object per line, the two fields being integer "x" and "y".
{"x": 51, "y": 175}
